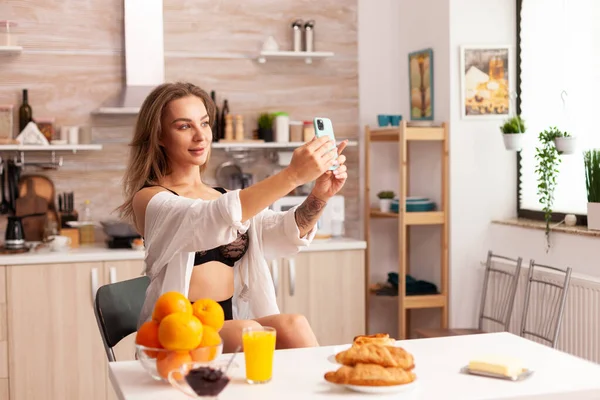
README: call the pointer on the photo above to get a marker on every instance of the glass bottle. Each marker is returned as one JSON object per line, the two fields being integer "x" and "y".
{"x": 86, "y": 230}
{"x": 25, "y": 112}
{"x": 216, "y": 124}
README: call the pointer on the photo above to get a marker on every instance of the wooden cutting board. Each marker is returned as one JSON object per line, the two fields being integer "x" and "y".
{"x": 43, "y": 187}
{"x": 31, "y": 203}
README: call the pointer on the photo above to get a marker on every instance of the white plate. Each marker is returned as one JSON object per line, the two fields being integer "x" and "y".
{"x": 407, "y": 388}
{"x": 337, "y": 349}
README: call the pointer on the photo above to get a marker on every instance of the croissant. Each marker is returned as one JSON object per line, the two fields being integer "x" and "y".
{"x": 370, "y": 375}
{"x": 378, "y": 338}
{"x": 385, "y": 356}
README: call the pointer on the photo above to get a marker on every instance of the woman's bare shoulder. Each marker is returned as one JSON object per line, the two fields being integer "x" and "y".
{"x": 140, "y": 203}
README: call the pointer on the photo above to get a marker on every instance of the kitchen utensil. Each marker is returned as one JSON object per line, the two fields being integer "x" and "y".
{"x": 13, "y": 176}
{"x": 118, "y": 229}
{"x": 4, "y": 206}
{"x": 240, "y": 181}
{"x": 14, "y": 238}
{"x": 43, "y": 187}
{"x": 35, "y": 207}
{"x": 224, "y": 172}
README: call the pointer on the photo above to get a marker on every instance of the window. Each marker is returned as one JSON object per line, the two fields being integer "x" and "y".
{"x": 559, "y": 51}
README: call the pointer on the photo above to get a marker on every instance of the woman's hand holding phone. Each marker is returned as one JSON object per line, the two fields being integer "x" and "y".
{"x": 311, "y": 160}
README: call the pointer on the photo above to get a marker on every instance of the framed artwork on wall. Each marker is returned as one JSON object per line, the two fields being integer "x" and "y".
{"x": 485, "y": 81}
{"x": 420, "y": 70}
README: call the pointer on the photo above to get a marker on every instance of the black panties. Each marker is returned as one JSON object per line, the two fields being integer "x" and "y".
{"x": 227, "y": 308}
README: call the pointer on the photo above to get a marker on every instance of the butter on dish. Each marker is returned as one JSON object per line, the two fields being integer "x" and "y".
{"x": 497, "y": 365}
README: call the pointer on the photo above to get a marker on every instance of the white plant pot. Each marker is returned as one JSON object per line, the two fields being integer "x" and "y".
{"x": 566, "y": 145}
{"x": 385, "y": 205}
{"x": 513, "y": 141}
{"x": 593, "y": 216}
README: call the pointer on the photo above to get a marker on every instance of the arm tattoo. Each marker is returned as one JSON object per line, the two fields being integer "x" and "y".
{"x": 308, "y": 213}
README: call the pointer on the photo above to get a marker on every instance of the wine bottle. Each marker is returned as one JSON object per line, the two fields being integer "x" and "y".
{"x": 216, "y": 124}
{"x": 25, "y": 112}
{"x": 224, "y": 114}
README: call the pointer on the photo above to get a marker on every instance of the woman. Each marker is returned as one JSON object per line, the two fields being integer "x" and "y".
{"x": 208, "y": 242}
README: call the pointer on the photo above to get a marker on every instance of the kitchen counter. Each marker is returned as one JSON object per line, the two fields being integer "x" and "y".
{"x": 100, "y": 253}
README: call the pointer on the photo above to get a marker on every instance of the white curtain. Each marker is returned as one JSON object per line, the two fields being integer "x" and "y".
{"x": 560, "y": 51}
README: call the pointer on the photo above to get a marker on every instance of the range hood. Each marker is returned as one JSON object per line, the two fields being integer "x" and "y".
{"x": 144, "y": 56}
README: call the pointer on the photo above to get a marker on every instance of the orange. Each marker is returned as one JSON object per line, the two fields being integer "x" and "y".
{"x": 147, "y": 336}
{"x": 171, "y": 360}
{"x": 210, "y": 313}
{"x": 180, "y": 331}
{"x": 169, "y": 303}
{"x": 206, "y": 351}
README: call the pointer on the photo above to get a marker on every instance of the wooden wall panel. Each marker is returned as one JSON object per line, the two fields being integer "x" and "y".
{"x": 73, "y": 60}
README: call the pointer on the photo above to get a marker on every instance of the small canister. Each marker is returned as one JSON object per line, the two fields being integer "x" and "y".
{"x": 309, "y": 131}
{"x": 297, "y": 34}
{"x": 296, "y": 131}
{"x": 6, "y": 122}
{"x": 309, "y": 39}
{"x": 7, "y": 36}
{"x": 282, "y": 127}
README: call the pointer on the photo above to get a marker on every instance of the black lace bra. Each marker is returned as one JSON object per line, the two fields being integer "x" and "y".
{"x": 227, "y": 254}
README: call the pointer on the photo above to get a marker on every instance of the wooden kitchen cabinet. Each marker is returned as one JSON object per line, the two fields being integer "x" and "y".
{"x": 3, "y": 336}
{"x": 55, "y": 349}
{"x": 328, "y": 288}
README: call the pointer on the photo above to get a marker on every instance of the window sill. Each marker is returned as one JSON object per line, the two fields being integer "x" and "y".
{"x": 554, "y": 227}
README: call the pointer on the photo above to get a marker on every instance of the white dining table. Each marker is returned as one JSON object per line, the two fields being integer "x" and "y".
{"x": 298, "y": 374}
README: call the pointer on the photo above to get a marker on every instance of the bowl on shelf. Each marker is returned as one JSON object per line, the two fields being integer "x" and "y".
{"x": 159, "y": 362}
{"x": 419, "y": 204}
{"x": 202, "y": 380}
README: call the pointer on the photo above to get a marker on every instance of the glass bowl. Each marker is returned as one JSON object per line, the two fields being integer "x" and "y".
{"x": 159, "y": 362}
{"x": 202, "y": 380}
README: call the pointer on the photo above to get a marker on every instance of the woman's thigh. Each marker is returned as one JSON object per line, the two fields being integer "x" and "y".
{"x": 231, "y": 333}
{"x": 293, "y": 330}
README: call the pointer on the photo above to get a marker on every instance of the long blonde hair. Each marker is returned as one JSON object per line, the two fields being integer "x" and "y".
{"x": 147, "y": 159}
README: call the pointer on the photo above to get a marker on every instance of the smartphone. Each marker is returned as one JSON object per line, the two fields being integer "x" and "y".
{"x": 323, "y": 127}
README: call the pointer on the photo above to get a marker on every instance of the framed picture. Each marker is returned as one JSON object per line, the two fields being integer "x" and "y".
{"x": 420, "y": 70}
{"x": 485, "y": 81}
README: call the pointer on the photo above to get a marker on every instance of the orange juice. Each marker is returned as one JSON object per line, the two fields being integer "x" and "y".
{"x": 259, "y": 348}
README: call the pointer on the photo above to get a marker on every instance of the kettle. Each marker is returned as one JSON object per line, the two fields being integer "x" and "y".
{"x": 14, "y": 238}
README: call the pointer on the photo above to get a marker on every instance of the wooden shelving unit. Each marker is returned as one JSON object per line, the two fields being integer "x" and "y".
{"x": 403, "y": 135}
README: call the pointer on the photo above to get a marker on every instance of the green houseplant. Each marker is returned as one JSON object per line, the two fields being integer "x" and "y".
{"x": 385, "y": 200}
{"x": 265, "y": 126}
{"x": 548, "y": 158}
{"x": 564, "y": 142}
{"x": 591, "y": 162}
{"x": 513, "y": 131}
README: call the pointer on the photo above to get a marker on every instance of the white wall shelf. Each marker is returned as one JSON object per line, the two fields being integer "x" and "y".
{"x": 53, "y": 147}
{"x": 307, "y": 56}
{"x": 10, "y": 49}
{"x": 265, "y": 145}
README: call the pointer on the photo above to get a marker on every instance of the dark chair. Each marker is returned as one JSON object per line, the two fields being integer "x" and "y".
{"x": 497, "y": 297}
{"x": 117, "y": 308}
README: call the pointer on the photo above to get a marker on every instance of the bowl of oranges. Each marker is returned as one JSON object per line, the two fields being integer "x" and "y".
{"x": 179, "y": 333}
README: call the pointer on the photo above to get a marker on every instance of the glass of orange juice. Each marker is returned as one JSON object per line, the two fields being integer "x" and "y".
{"x": 259, "y": 348}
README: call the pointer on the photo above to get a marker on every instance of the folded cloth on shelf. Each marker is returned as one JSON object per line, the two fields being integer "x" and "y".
{"x": 413, "y": 287}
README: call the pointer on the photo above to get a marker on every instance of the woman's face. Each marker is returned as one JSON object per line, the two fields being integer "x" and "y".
{"x": 186, "y": 132}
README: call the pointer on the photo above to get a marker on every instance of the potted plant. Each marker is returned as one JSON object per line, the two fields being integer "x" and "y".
{"x": 564, "y": 142}
{"x": 265, "y": 126}
{"x": 385, "y": 200}
{"x": 591, "y": 161}
{"x": 513, "y": 133}
{"x": 548, "y": 158}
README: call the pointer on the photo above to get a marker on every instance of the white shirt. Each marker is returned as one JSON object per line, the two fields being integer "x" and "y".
{"x": 176, "y": 227}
